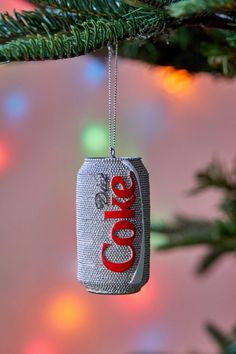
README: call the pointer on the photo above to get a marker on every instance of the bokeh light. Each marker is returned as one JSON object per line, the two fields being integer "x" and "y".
{"x": 94, "y": 71}
{"x": 16, "y": 105}
{"x": 94, "y": 139}
{"x": 149, "y": 340}
{"x": 4, "y": 156}
{"x": 66, "y": 313}
{"x": 150, "y": 119}
{"x": 39, "y": 346}
{"x": 9, "y": 5}
{"x": 175, "y": 81}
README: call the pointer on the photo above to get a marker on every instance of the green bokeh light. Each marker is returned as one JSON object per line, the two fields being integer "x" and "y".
{"x": 94, "y": 139}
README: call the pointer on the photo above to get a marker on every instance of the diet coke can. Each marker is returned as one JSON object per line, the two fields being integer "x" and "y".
{"x": 113, "y": 225}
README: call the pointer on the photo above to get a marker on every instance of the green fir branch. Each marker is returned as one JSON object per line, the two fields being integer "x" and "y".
{"x": 213, "y": 50}
{"x": 193, "y": 7}
{"x": 214, "y": 255}
{"x": 66, "y": 28}
{"x": 30, "y": 23}
{"x": 81, "y": 39}
{"x": 216, "y": 176}
{"x": 90, "y": 8}
{"x": 223, "y": 340}
{"x": 152, "y": 3}
{"x": 219, "y": 235}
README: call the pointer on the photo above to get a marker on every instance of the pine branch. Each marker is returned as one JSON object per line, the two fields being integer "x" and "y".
{"x": 84, "y": 9}
{"x": 67, "y": 28}
{"x": 185, "y": 232}
{"x": 215, "y": 254}
{"x": 54, "y": 17}
{"x": 30, "y": 23}
{"x": 215, "y": 176}
{"x": 222, "y": 340}
{"x": 220, "y": 235}
{"x": 213, "y": 51}
{"x": 153, "y": 3}
{"x": 64, "y": 29}
{"x": 193, "y": 7}
{"x": 86, "y": 37}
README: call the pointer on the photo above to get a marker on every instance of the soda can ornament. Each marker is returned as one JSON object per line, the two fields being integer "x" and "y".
{"x": 113, "y": 218}
{"x": 113, "y": 225}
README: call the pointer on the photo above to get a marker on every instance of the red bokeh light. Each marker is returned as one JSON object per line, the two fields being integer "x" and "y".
{"x": 141, "y": 301}
{"x": 39, "y": 346}
{"x": 4, "y": 156}
{"x": 10, "y": 5}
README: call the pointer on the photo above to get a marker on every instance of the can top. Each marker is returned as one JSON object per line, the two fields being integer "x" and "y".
{"x": 110, "y": 158}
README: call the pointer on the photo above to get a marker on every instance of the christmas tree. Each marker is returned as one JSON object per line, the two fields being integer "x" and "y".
{"x": 196, "y": 35}
{"x": 160, "y": 32}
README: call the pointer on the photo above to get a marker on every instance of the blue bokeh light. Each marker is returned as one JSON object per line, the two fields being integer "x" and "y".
{"x": 16, "y": 105}
{"x": 149, "y": 340}
{"x": 94, "y": 71}
{"x": 150, "y": 119}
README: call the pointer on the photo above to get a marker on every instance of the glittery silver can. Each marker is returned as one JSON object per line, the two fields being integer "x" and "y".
{"x": 113, "y": 225}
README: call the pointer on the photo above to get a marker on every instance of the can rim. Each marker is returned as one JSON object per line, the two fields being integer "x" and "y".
{"x": 110, "y": 158}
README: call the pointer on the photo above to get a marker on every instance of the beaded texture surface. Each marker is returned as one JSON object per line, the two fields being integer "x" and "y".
{"x": 93, "y": 199}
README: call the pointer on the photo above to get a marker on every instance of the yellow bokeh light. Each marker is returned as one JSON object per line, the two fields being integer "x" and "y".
{"x": 175, "y": 81}
{"x": 66, "y": 313}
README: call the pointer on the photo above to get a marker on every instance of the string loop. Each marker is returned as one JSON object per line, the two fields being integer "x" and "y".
{"x": 112, "y": 100}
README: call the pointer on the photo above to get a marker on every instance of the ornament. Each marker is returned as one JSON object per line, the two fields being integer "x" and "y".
{"x": 113, "y": 225}
{"x": 113, "y": 217}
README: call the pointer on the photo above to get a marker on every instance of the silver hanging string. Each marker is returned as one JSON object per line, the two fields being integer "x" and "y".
{"x": 112, "y": 101}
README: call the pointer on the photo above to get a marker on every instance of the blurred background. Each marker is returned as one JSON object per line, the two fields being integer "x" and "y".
{"x": 53, "y": 115}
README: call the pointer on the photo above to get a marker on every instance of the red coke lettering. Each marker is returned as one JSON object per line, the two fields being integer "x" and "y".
{"x": 124, "y": 212}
